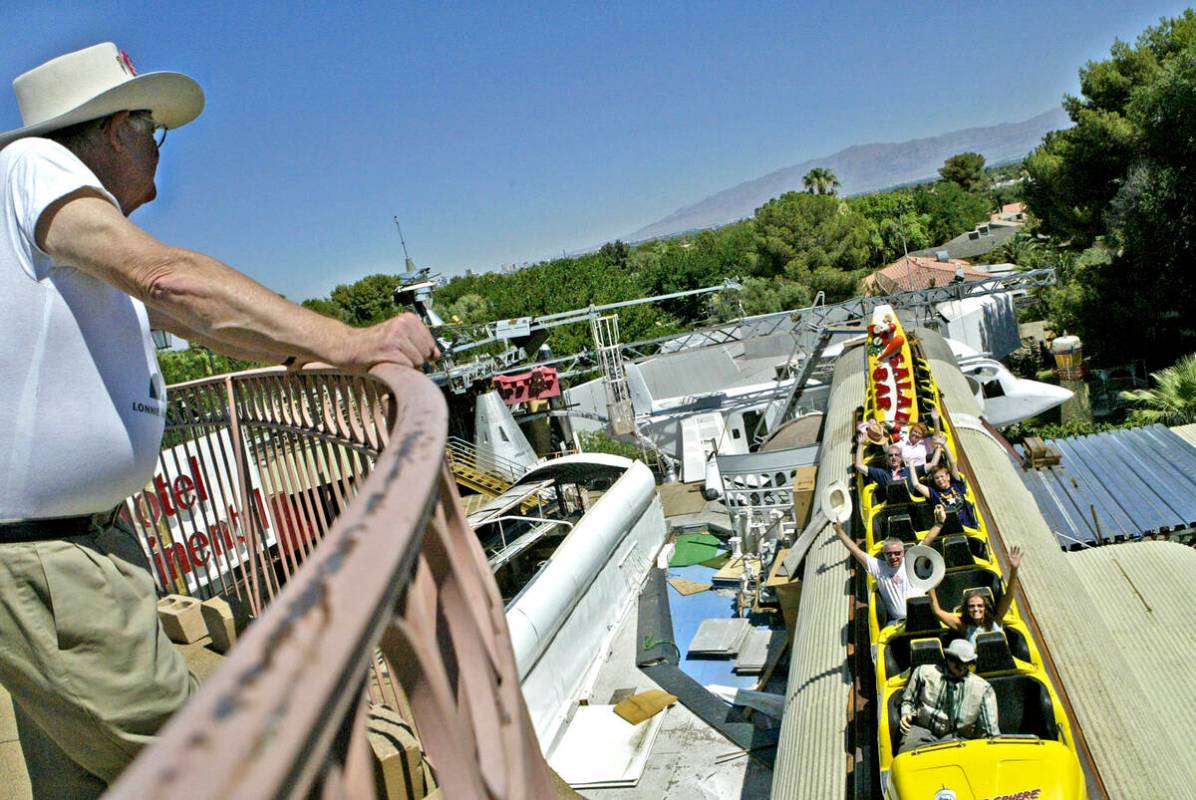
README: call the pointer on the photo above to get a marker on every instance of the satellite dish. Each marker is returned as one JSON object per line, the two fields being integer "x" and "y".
{"x": 924, "y": 568}
{"x": 836, "y": 502}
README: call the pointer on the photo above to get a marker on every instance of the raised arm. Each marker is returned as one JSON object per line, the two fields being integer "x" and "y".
{"x": 201, "y": 297}
{"x": 917, "y": 485}
{"x": 934, "y": 459}
{"x": 955, "y": 473}
{"x": 858, "y": 463}
{"x": 936, "y": 422}
{"x": 940, "y": 518}
{"x": 1015, "y": 561}
{"x": 850, "y": 544}
{"x": 952, "y": 621}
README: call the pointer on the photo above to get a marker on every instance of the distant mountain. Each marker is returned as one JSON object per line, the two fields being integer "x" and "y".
{"x": 863, "y": 168}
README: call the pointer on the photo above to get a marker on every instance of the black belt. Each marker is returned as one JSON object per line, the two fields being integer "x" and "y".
{"x": 36, "y": 530}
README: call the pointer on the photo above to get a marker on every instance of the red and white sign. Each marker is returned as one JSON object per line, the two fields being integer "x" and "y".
{"x": 539, "y": 384}
{"x": 191, "y": 521}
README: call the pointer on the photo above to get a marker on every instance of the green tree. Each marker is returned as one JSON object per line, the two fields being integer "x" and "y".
{"x": 949, "y": 209}
{"x": 179, "y": 366}
{"x": 897, "y": 227}
{"x": 1074, "y": 175}
{"x": 767, "y": 296}
{"x": 1020, "y": 249}
{"x": 322, "y": 305}
{"x": 469, "y": 308}
{"x": 601, "y": 442}
{"x": 681, "y": 265}
{"x": 1123, "y": 178}
{"x": 368, "y": 301}
{"x": 1172, "y": 401}
{"x": 615, "y": 253}
{"x": 820, "y": 180}
{"x": 966, "y": 170}
{"x": 814, "y": 240}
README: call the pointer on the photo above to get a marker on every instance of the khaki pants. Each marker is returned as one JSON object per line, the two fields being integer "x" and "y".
{"x": 920, "y": 737}
{"x": 91, "y": 673}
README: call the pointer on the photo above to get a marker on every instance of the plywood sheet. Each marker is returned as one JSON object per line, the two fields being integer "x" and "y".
{"x": 687, "y": 587}
{"x": 600, "y": 749}
{"x": 681, "y": 498}
{"x": 719, "y": 637}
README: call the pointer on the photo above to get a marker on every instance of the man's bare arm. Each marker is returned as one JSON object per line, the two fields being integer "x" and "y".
{"x": 210, "y": 300}
{"x": 161, "y": 322}
{"x": 852, "y": 547}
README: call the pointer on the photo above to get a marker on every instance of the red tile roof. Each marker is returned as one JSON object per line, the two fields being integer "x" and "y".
{"x": 918, "y": 272}
{"x": 1010, "y": 212}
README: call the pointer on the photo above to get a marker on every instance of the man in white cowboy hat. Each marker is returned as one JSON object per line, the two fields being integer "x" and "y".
{"x": 81, "y": 416}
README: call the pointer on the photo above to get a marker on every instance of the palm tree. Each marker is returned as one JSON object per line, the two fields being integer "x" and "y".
{"x": 1173, "y": 401}
{"x": 820, "y": 180}
{"x": 1021, "y": 250}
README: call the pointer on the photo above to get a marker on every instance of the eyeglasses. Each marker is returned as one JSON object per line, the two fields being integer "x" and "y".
{"x": 894, "y": 455}
{"x": 889, "y": 553}
{"x": 156, "y": 131}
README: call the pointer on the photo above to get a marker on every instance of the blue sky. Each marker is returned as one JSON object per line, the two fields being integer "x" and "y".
{"x": 508, "y": 132}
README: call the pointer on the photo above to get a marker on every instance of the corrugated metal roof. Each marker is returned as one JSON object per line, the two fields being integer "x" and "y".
{"x": 1117, "y": 485}
{"x": 1186, "y": 432}
{"x": 810, "y": 759}
{"x": 1143, "y": 593}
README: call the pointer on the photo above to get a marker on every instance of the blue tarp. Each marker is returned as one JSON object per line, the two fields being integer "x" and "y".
{"x": 689, "y": 611}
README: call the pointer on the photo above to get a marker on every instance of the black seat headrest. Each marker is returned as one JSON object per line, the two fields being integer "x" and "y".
{"x": 993, "y": 654}
{"x": 925, "y": 651}
{"x": 900, "y": 526}
{"x": 984, "y": 591}
{"x": 957, "y": 552}
{"x": 897, "y": 492}
{"x": 952, "y": 525}
{"x": 919, "y": 617}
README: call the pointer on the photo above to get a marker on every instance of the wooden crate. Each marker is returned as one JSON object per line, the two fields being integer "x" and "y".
{"x": 1041, "y": 454}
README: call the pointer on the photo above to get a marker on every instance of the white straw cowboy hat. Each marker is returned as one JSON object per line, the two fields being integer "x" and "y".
{"x": 93, "y": 83}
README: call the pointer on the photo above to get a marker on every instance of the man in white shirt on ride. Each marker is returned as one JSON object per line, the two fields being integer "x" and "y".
{"x": 891, "y": 581}
{"x": 90, "y": 672}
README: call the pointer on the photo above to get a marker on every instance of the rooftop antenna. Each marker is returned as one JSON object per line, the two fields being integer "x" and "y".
{"x": 406, "y": 258}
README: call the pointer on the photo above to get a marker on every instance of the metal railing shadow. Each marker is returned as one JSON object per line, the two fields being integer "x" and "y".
{"x": 324, "y": 502}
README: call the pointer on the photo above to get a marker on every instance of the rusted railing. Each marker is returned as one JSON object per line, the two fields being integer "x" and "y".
{"x": 323, "y": 501}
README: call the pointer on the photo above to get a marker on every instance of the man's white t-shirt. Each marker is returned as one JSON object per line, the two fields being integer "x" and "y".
{"x": 893, "y": 585}
{"x": 82, "y": 410}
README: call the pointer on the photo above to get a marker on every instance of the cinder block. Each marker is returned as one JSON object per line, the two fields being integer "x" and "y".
{"x": 181, "y": 618}
{"x": 225, "y": 618}
{"x": 398, "y": 761}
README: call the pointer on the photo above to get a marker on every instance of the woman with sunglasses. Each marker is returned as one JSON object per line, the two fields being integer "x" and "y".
{"x": 978, "y": 615}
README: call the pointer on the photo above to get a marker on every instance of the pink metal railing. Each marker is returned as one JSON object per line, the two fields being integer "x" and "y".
{"x": 323, "y": 501}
